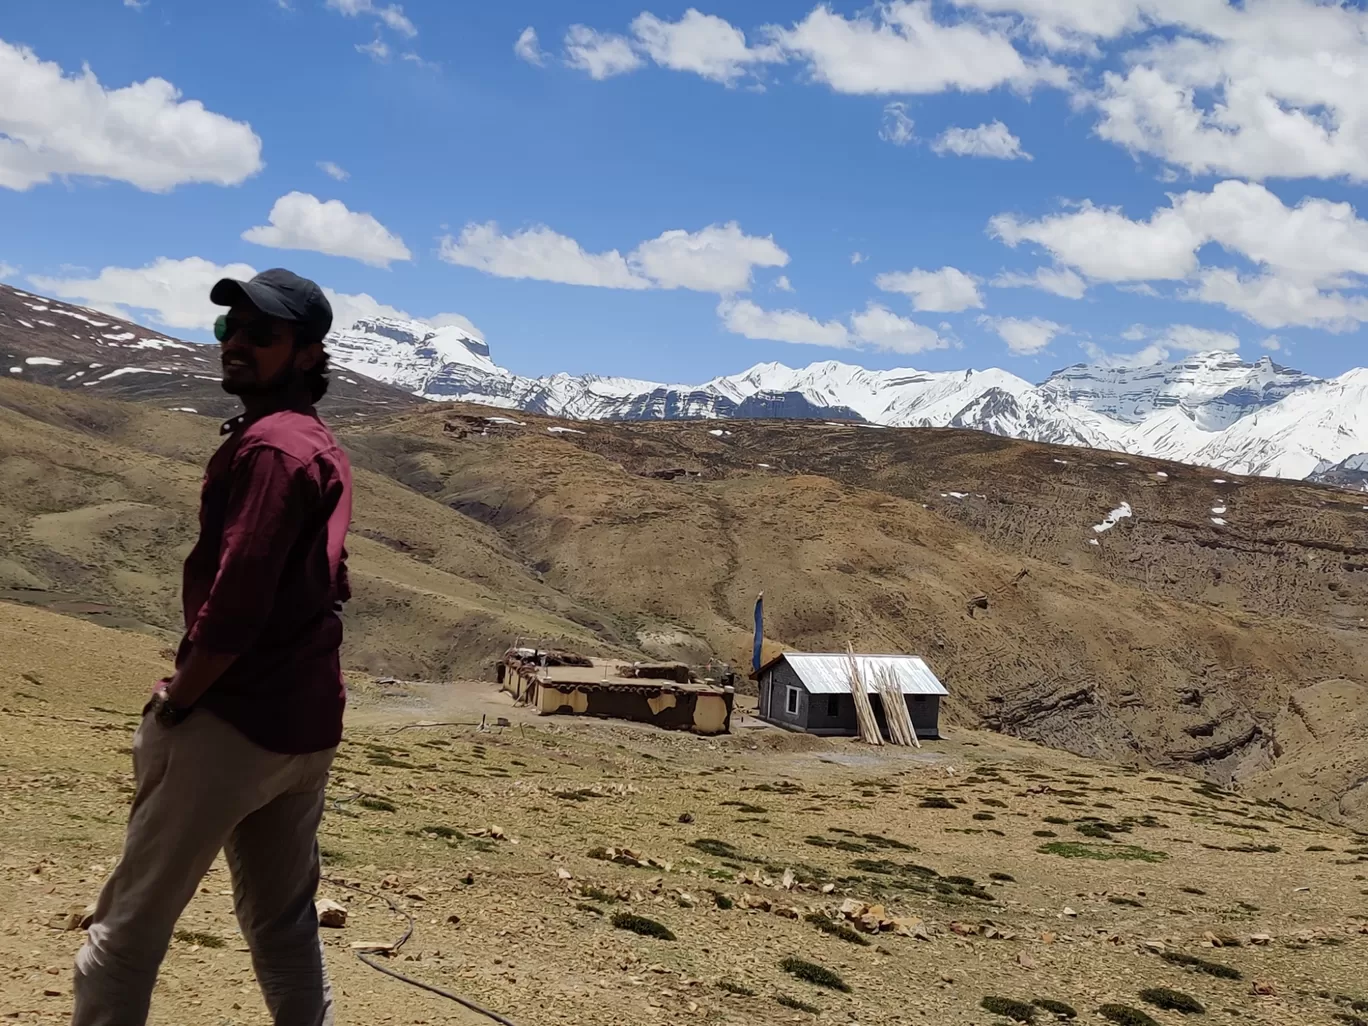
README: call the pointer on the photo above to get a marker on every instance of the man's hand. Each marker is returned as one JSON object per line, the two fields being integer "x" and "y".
{"x": 197, "y": 675}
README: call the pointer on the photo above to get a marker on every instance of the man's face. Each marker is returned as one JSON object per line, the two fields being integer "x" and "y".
{"x": 258, "y": 354}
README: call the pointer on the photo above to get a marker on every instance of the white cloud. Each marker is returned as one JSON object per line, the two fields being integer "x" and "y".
{"x": 1023, "y": 337}
{"x": 897, "y": 126}
{"x": 333, "y": 171}
{"x": 1059, "y": 281}
{"x": 719, "y": 258}
{"x": 174, "y": 292}
{"x": 602, "y": 55}
{"x": 701, "y": 43}
{"x": 7, "y": 270}
{"x": 54, "y": 125}
{"x": 137, "y": 5}
{"x": 1187, "y": 339}
{"x": 900, "y": 47}
{"x": 742, "y": 317}
{"x": 948, "y": 290}
{"x": 1279, "y": 302}
{"x": 1273, "y": 344}
{"x": 882, "y": 329}
{"x": 1181, "y": 338}
{"x": 455, "y": 320}
{"x": 303, "y": 221}
{"x": 392, "y": 15}
{"x": 528, "y": 47}
{"x": 540, "y": 254}
{"x": 781, "y": 283}
{"x": 377, "y": 50}
{"x": 1266, "y": 88}
{"x": 1307, "y": 255}
{"x": 1145, "y": 357}
{"x": 875, "y": 327}
{"x": 992, "y": 140}
{"x": 348, "y": 309}
{"x": 857, "y": 258}
{"x": 1106, "y": 245}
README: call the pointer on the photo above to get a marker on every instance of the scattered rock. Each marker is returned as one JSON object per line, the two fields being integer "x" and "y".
{"x": 331, "y": 914}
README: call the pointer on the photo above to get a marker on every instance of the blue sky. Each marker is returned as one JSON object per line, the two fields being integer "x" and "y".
{"x": 779, "y": 182}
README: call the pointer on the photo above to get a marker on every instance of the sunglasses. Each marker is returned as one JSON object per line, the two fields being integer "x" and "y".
{"x": 256, "y": 331}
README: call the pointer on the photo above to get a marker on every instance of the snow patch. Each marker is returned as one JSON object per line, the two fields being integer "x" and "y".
{"x": 1218, "y": 521}
{"x": 1113, "y": 518}
{"x": 38, "y": 306}
{"x": 42, "y": 361}
{"x": 1219, "y": 480}
{"x": 1064, "y": 463}
{"x": 24, "y": 322}
{"x": 564, "y": 431}
{"x": 1094, "y": 541}
{"x": 16, "y": 370}
{"x": 351, "y": 381}
{"x": 1160, "y": 473}
{"x": 157, "y": 343}
{"x": 47, "y": 324}
{"x": 125, "y": 336}
{"x": 764, "y": 466}
{"x": 184, "y": 409}
{"x": 1218, "y": 510}
{"x": 504, "y": 420}
{"x": 719, "y": 433}
{"x": 119, "y": 372}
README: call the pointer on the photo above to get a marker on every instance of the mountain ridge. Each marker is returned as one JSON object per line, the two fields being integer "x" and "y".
{"x": 1212, "y": 408}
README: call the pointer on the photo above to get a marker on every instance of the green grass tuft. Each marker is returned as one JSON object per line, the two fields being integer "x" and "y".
{"x": 794, "y": 1003}
{"x": 584, "y": 906}
{"x": 722, "y": 901}
{"x": 1079, "y": 850}
{"x": 377, "y": 804}
{"x": 1201, "y": 965}
{"x": 1017, "y": 1011}
{"x": 204, "y": 940}
{"x": 712, "y": 846}
{"x": 1124, "y": 1015}
{"x": 826, "y": 924}
{"x": 1193, "y": 890}
{"x": 818, "y": 976}
{"x": 1002, "y": 877}
{"x": 936, "y": 801}
{"x": 643, "y": 926}
{"x": 1172, "y": 1001}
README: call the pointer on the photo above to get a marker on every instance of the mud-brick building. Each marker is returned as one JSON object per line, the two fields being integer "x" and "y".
{"x": 810, "y": 692}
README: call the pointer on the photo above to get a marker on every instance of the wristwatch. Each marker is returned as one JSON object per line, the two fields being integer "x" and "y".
{"x": 164, "y": 712}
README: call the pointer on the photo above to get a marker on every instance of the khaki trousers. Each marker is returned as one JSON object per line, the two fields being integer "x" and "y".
{"x": 202, "y": 788}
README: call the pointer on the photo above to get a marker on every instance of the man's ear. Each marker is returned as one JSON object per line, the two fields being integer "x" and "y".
{"x": 307, "y": 358}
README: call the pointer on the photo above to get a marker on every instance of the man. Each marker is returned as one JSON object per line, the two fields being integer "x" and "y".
{"x": 233, "y": 751}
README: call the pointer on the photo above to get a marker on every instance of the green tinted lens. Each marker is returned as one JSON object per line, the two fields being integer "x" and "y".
{"x": 221, "y": 328}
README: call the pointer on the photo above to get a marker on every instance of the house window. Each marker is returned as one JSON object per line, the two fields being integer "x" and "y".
{"x": 791, "y": 703}
{"x": 833, "y": 705}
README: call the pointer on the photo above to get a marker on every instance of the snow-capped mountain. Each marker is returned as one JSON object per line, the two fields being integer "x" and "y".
{"x": 1210, "y": 408}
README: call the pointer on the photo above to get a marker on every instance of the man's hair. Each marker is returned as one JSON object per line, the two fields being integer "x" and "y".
{"x": 317, "y": 376}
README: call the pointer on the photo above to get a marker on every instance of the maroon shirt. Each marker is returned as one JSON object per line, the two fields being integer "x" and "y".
{"x": 268, "y": 577}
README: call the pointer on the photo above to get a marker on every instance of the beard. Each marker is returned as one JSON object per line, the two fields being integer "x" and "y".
{"x": 253, "y": 386}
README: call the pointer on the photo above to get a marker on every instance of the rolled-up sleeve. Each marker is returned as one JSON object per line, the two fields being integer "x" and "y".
{"x": 265, "y": 511}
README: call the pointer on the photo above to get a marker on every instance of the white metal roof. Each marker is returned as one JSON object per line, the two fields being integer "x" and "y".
{"x": 828, "y": 673}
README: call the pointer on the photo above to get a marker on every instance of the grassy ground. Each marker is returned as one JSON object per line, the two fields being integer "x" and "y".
{"x": 1089, "y": 884}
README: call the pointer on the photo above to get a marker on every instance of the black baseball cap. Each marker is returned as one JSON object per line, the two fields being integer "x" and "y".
{"x": 280, "y": 293}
